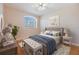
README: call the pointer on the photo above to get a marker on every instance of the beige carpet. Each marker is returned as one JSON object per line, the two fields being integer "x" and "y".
{"x": 63, "y": 50}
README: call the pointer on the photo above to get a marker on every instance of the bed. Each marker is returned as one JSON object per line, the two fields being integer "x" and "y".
{"x": 49, "y": 39}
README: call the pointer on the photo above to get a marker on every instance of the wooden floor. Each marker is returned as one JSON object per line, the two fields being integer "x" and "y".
{"x": 74, "y": 51}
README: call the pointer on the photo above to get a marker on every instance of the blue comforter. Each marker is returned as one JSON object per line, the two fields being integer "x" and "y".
{"x": 50, "y": 42}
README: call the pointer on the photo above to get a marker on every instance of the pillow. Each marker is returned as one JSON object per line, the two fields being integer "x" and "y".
{"x": 47, "y": 32}
{"x": 55, "y": 33}
{"x": 9, "y": 37}
{"x": 52, "y": 33}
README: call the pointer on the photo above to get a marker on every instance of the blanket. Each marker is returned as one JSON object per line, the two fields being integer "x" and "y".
{"x": 46, "y": 42}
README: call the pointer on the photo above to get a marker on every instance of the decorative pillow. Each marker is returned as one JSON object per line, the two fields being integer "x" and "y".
{"x": 55, "y": 33}
{"x": 9, "y": 37}
{"x": 6, "y": 37}
{"x": 47, "y": 32}
{"x": 52, "y": 33}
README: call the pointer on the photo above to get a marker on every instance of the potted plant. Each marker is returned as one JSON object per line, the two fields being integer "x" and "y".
{"x": 14, "y": 31}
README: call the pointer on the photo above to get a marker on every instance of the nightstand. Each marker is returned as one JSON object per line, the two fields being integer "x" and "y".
{"x": 20, "y": 49}
{"x": 67, "y": 40}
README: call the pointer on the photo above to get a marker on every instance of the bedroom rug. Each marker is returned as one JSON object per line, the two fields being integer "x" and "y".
{"x": 62, "y": 50}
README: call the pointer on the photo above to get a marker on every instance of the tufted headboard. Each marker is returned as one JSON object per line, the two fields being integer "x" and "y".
{"x": 55, "y": 29}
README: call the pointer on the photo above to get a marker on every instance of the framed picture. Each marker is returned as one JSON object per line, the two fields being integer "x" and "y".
{"x": 54, "y": 21}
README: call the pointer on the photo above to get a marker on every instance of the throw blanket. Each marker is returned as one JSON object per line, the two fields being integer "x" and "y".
{"x": 49, "y": 42}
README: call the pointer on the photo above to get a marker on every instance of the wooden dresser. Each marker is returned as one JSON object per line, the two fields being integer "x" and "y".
{"x": 20, "y": 50}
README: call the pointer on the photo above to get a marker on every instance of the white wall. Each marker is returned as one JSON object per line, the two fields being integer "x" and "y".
{"x": 69, "y": 18}
{"x": 16, "y": 17}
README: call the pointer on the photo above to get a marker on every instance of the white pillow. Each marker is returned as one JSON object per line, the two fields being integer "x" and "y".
{"x": 9, "y": 37}
{"x": 55, "y": 33}
{"x": 47, "y": 32}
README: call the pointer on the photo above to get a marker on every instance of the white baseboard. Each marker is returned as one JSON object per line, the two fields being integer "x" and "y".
{"x": 75, "y": 44}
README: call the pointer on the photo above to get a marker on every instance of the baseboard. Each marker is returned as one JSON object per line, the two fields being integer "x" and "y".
{"x": 75, "y": 44}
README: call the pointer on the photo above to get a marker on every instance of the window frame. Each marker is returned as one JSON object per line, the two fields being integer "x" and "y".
{"x": 34, "y": 19}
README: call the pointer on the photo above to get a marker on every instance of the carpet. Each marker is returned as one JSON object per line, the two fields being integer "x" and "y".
{"x": 62, "y": 50}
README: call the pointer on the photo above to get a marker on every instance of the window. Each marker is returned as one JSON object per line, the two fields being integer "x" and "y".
{"x": 30, "y": 22}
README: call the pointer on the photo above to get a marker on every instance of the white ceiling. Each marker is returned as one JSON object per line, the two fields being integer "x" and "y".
{"x": 51, "y": 7}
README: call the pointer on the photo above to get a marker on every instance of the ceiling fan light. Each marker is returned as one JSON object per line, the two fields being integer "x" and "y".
{"x": 40, "y": 6}
{"x": 44, "y": 4}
